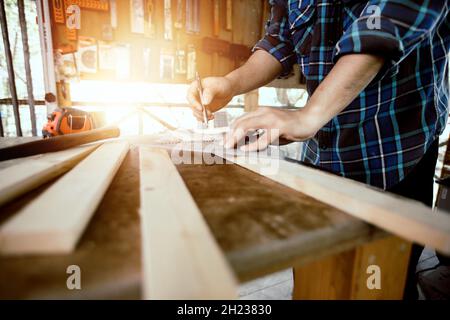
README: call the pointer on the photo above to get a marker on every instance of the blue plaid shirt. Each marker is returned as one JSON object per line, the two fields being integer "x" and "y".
{"x": 386, "y": 130}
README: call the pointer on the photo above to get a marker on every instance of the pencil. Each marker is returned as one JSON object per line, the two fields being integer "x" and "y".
{"x": 200, "y": 93}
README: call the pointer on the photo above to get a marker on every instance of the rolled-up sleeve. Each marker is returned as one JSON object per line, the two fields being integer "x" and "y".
{"x": 392, "y": 29}
{"x": 277, "y": 40}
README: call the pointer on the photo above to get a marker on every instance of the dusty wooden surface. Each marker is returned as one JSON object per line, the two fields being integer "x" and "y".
{"x": 262, "y": 227}
{"x": 58, "y": 143}
{"x": 108, "y": 252}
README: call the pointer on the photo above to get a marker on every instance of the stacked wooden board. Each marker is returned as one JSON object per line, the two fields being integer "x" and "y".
{"x": 180, "y": 256}
{"x": 54, "y": 221}
{"x": 28, "y": 174}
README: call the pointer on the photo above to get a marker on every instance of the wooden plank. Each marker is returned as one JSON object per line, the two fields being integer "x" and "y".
{"x": 181, "y": 259}
{"x": 54, "y": 221}
{"x": 10, "y": 141}
{"x": 391, "y": 255}
{"x": 108, "y": 253}
{"x": 345, "y": 275}
{"x": 325, "y": 279}
{"x": 32, "y": 172}
{"x": 264, "y": 226}
{"x": 57, "y": 143}
{"x": 403, "y": 217}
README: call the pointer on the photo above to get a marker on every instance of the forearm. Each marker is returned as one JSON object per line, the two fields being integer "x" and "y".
{"x": 351, "y": 74}
{"x": 260, "y": 69}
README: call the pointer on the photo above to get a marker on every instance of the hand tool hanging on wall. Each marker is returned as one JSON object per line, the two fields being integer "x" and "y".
{"x": 179, "y": 20}
{"x": 229, "y": 16}
{"x": 150, "y": 28}
{"x": 58, "y": 11}
{"x": 137, "y": 16}
{"x": 113, "y": 13}
{"x": 71, "y": 33}
{"x": 192, "y": 16}
{"x": 216, "y": 15}
{"x": 168, "y": 20}
{"x": 180, "y": 53}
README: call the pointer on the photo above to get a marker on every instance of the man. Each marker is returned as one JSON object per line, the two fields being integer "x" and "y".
{"x": 377, "y": 77}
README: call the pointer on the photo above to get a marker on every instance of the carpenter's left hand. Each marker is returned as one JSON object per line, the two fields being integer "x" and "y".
{"x": 293, "y": 125}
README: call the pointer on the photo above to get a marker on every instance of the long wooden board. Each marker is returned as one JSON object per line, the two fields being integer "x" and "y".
{"x": 34, "y": 171}
{"x": 181, "y": 259}
{"x": 57, "y": 143}
{"x": 55, "y": 220}
{"x": 403, "y": 217}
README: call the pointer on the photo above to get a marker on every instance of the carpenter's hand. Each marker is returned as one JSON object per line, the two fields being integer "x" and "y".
{"x": 217, "y": 93}
{"x": 291, "y": 125}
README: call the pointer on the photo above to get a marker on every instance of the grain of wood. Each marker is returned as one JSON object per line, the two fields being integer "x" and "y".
{"x": 391, "y": 255}
{"x": 34, "y": 171}
{"x": 403, "y": 217}
{"x": 263, "y": 226}
{"x": 55, "y": 220}
{"x": 181, "y": 259}
{"x": 58, "y": 143}
{"x": 328, "y": 278}
{"x": 345, "y": 275}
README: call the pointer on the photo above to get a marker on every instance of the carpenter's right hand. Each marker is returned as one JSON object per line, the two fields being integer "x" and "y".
{"x": 217, "y": 93}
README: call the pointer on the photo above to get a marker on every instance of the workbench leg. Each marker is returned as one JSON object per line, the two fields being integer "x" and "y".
{"x": 347, "y": 275}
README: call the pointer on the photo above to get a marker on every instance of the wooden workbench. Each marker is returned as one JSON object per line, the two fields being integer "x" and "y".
{"x": 261, "y": 226}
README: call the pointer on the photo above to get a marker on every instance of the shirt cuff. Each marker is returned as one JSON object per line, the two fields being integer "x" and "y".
{"x": 281, "y": 51}
{"x": 360, "y": 38}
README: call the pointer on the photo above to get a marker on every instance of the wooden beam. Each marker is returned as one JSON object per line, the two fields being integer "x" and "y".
{"x": 345, "y": 275}
{"x": 181, "y": 259}
{"x": 57, "y": 143}
{"x": 55, "y": 220}
{"x": 32, "y": 172}
{"x": 403, "y": 217}
{"x": 391, "y": 255}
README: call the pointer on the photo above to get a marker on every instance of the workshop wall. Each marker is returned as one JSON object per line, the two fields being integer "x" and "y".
{"x": 147, "y": 43}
